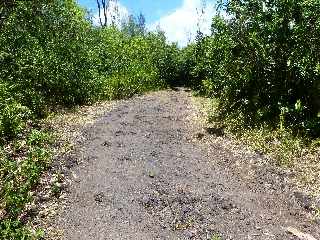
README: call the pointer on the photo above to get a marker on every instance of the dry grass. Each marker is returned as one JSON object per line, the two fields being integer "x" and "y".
{"x": 67, "y": 127}
{"x": 67, "y": 124}
{"x": 293, "y": 154}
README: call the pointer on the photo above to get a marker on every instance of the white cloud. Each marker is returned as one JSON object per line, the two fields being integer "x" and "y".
{"x": 182, "y": 24}
{"x": 115, "y": 11}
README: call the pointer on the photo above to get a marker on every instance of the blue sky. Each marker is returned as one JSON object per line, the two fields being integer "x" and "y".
{"x": 179, "y": 19}
{"x": 152, "y": 9}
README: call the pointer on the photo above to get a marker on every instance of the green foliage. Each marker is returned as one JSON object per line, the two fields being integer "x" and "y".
{"x": 55, "y": 57}
{"x": 12, "y": 119}
{"x": 262, "y": 62}
{"x": 215, "y": 237}
{"x": 51, "y": 56}
{"x": 21, "y": 164}
{"x": 164, "y": 57}
{"x": 135, "y": 26}
{"x": 13, "y": 230}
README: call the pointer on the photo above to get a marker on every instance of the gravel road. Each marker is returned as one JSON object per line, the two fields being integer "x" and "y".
{"x": 149, "y": 172}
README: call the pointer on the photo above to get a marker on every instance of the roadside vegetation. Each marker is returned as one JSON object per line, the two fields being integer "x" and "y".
{"x": 262, "y": 64}
{"x": 51, "y": 57}
{"x": 260, "y": 68}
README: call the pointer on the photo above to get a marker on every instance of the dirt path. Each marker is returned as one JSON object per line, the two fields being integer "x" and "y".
{"x": 148, "y": 175}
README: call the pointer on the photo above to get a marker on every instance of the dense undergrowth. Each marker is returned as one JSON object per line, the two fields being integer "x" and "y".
{"x": 261, "y": 67}
{"x": 51, "y": 56}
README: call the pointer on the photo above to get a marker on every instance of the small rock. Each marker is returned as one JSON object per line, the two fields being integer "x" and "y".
{"x": 146, "y": 201}
{"x": 151, "y": 174}
{"x": 190, "y": 234}
{"x": 106, "y": 144}
{"x": 199, "y": 136}
{"x": 317, "y": 202}
{"x": 303, "y": 199}
{"x": 119, "y": 133}
{"x": 99, "y": 197}
{"x": 300, "y": 235}
{"x": 215, "y": 131}
{"x": 2, "y": 213}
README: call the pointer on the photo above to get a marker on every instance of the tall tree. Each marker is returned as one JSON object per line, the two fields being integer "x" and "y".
{"x": 114, "y": 12}
{"x": 201, "y": 14}
{"x": 110, "y": 8}
{"x": 135, "y": 25}
{"x": 105, "y": 6}
{"x": 142, "y": 23}
{"x": 99, "y": 10}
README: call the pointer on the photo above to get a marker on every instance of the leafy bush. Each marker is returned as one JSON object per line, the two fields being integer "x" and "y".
{"x": 12, "y": 119}
{"x": 262, "y": 62}
{"x": 50, "y": 57}
{"x": 12, "y": 230}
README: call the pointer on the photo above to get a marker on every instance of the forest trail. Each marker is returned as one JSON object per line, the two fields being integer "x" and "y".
{"x": 151, "y": 172}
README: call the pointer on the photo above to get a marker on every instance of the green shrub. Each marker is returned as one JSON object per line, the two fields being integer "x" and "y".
{"x": 51, "y": 57}
{"x": 261, "y": 60}
{"x": 13, "y": 118}
{"x": 13, "y": 230}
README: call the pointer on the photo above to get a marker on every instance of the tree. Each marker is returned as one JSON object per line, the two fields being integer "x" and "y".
{"x": 262, "y": 62}
{"x": 201, "y": 14}
{"x": 134, "y": 26}
{"x": 142, "y": 23}
{"x": 110, "y": 8}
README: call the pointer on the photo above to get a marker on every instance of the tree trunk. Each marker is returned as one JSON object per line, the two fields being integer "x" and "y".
{"x": 105, "y": 4}
{"x": 99, "y": 9}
